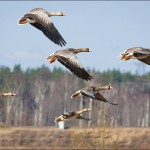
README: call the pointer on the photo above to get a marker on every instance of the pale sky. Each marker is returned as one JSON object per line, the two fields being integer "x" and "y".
{"x": 105, "y": 27}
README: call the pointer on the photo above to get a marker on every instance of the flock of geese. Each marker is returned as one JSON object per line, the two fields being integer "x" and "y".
{"x": 39, "y": 18}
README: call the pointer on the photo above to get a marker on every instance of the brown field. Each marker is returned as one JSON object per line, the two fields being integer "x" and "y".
{"x": 73, "y": 138}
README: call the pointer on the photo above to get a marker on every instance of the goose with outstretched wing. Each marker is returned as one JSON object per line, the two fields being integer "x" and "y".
{"x": 68, "y": 58}
{"x": 139, "y": 53}
{"x": 93, "y": 92}
{"x": 72, "y": 115}
{"x": 40, "y": 19}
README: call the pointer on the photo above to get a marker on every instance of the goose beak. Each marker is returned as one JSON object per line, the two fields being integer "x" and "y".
{"x": 48, "y": 58}
{"x": 110, "y": 87}
{"x": 63, "y": 14}
{"x": 121, "y": 56}
{"x": 56, "y": 14}
{"x": 60, "y": 118}
{"x": 14, "y": 94}
{"x": 57, "y": 119}
{"x": 50, "y": 61}
{"x": 22, "y": 21}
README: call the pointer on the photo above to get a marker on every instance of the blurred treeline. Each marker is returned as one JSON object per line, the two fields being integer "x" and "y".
{"x": 43, "y": 94}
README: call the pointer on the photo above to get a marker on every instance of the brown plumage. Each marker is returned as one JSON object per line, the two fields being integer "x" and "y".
{"x": 39, "y": 18}
{"x": 93, "y": 92}
{"x": 7, "y": 94}
{"x": 140, "y": 53}
{"x": 68, "y": 58}
{"x": 72, "y": 115}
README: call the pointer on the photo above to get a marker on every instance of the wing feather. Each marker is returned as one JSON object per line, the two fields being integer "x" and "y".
{"x": 88, "y": 94}
{"x": 101, "y": 98}
{"x": 145, "y": 60}
{"x": 68, "y": 114}
{"x": 44, "y": 24}
{"x": 81, "y": 117}
{"x": 74, "y": 66}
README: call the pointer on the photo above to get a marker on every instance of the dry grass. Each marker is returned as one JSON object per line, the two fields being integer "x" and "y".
{"x": 73, "y": 138}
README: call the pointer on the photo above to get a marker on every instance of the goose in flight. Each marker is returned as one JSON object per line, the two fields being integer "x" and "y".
{"x": 8, "y": 94}
{"x": 93, "y": 92}
{"x": 72, "y": 115}
{"x": 39, "y": 18}
{"x": 68, "y": 58}
{"x": 140, "y": 53}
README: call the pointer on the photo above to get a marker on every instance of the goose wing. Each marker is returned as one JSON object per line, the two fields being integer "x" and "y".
{"x": 138, "y": 51}
{"x": 134, "y": 49}
{"x": 44, "y": 24}
{"x": 101, "y": 98}
{"x": 71, "y": 62}
{"x": 88, "y": 94}
{"x": 80, "y": 117}
{"x": 143, "y": 55}
{"x": 68, "y": 114}
{"x": 145, "y": 60}
{"x": 143, "y": 51}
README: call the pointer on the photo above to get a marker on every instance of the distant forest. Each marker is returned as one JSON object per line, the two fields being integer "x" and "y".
{"x": 43, "y": 94}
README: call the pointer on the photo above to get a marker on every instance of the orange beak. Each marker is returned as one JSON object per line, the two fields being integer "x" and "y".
{"x": 23, "y": 20}
{"x": 51, "y": 61}
{"x": 122, "y": 56}
{"x": 58, "y": 119}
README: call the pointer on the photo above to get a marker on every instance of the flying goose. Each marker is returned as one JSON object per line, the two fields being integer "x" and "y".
{"x": 39, "y": 18}
{"x": 140, "y": 53}
{"x": 68, "y": 58}
{"x": 8, "y": 94}
{"x": 72, "y": 115}
{"x": 93, "y": 92}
